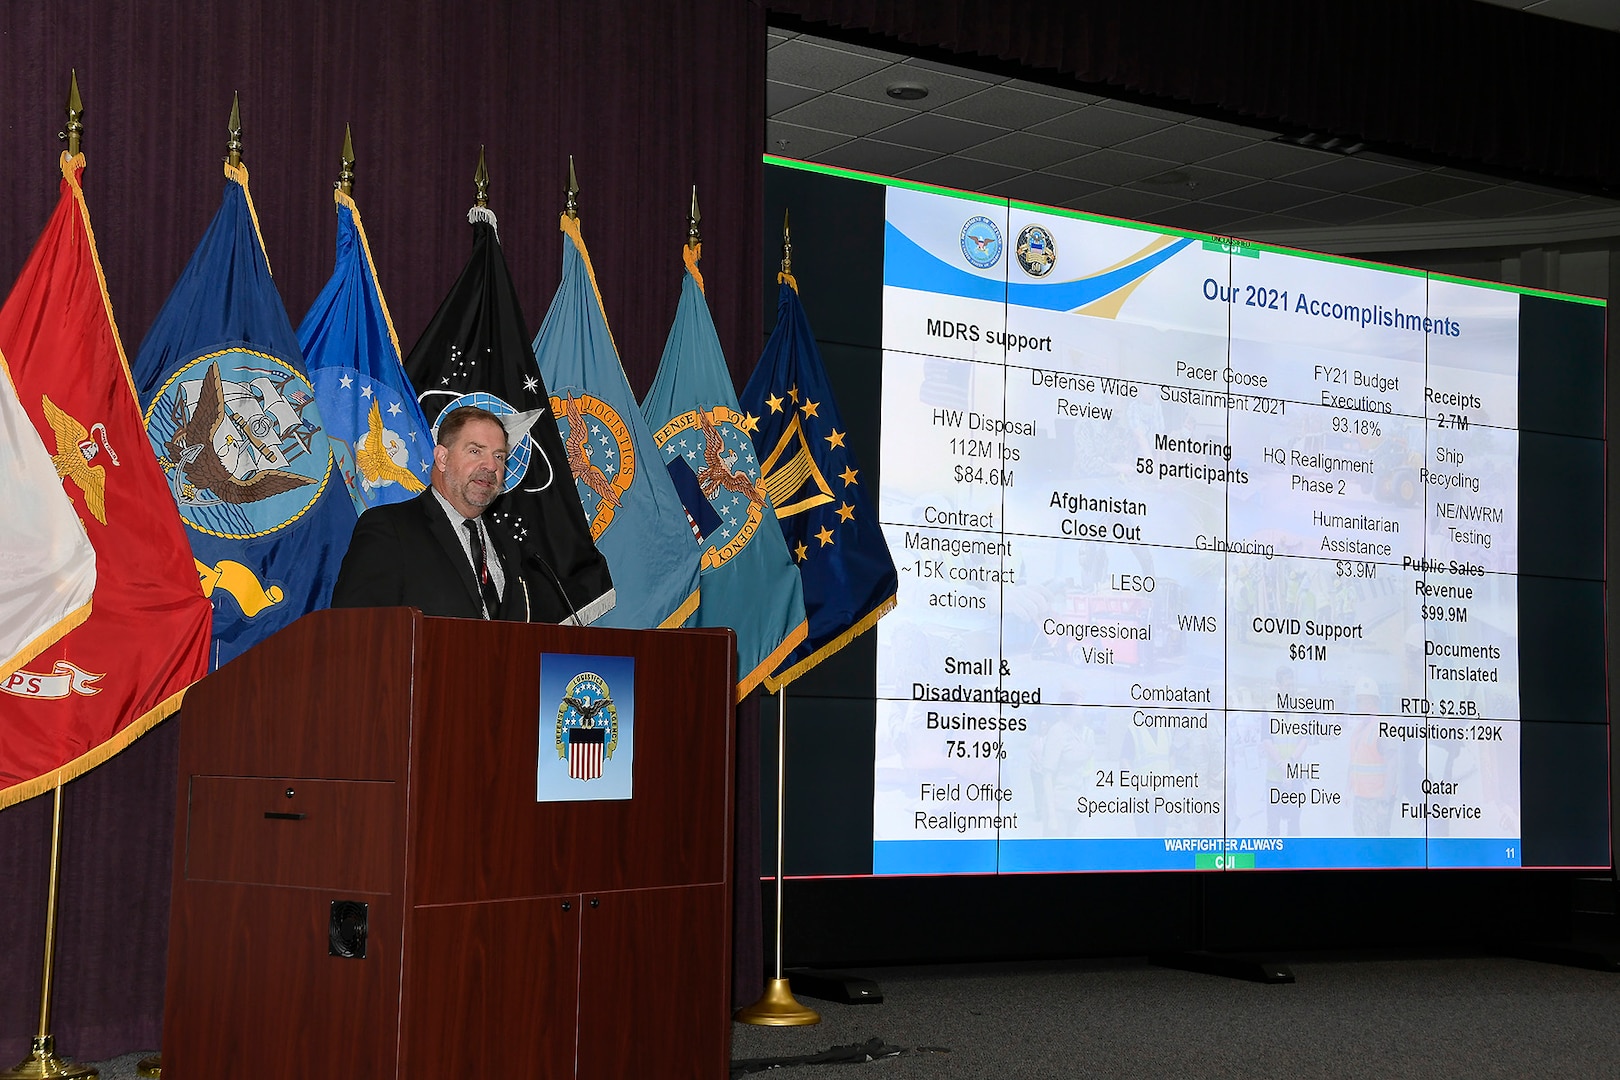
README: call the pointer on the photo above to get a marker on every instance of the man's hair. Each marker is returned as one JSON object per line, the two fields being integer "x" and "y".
{"x": 460, "y": 417}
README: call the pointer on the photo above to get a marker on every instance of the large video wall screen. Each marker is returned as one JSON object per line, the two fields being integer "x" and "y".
{"x": 1212, "y": 555}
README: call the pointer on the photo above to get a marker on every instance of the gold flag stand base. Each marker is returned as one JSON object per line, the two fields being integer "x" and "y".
{"x": 777, "y": 1007}
{"x": 150, "y": 1068}
{"x": 42, "y": 1061}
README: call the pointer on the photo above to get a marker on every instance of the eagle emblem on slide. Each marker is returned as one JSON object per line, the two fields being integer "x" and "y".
{"x": 981, "y": 242}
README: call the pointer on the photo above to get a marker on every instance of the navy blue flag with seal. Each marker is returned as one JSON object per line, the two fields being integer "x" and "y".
{"x": 476, "y": 352}
{"x": 818, "y": 490}
{"x": 232, "y": 418}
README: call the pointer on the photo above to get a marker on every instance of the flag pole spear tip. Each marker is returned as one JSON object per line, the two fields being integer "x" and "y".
{"x": 481, "y": 181}
{"x": 787, "y": 245}
{"x": 346, "y": 167}
{"x": 75, "y": 111}
{"x": 233, "y": 146}
{"x": 693, "y": 237}
{"x": 571, "y": 199}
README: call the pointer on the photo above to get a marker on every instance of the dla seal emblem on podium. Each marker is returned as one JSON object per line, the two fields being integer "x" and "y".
{"x": 586, "y": 726}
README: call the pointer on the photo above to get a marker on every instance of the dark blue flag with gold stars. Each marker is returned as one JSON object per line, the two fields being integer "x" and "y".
{"x": 819, "y": 493}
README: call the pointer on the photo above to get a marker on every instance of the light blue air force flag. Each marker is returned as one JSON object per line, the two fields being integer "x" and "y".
{"x": 232, "y": 418}
{"x": 636, "y": 518}
{"x": 352, "y": 355}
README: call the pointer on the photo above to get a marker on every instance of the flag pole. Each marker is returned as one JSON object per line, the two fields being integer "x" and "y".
{"x": 42, "y": 1059}
{"x": 776, "y": 1007}
{"x": 345, "y": 182}
{"x": 151, "y": 1067}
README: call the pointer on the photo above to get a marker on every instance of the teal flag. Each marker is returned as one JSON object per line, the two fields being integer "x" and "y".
{"x": 636, "y": 518}
{"x": 818, "y": 490}
{"x": 352, "y": 355}
{"x": 749, "y": 583}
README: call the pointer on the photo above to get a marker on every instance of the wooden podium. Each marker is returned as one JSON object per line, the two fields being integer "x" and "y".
{"x": 382, "y": 758}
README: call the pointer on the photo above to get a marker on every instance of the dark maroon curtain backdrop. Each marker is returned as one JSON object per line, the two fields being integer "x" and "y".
{"x": 1459, "y": 80}
{"x": 648, "y": 98}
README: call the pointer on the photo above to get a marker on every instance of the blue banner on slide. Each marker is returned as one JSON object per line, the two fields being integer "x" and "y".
{"x": 906, "y": 265}
{"x": 891, "y": 857}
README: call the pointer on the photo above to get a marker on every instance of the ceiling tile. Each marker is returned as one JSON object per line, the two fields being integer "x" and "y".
{"x": 1345, "y": 209}
{"x": 942, "y": 88}
{"x": 1338, "y": 173}
{"x": 1233, "y": 129}
{"x": 1166, "y": 115}
{"x": 1604, "y": 14}
{"x": 1046, "y": 189}
{"x": 780, "y": 96}
{"x": 793, "y": 141}
{"x": 1022, "y": 149}
{"x": 956, "y": 69}
{"x": 1199, "y": 217}
{"x": 811, "y": 62}
{"x": 1413, "y": 215}
{"x": 1063, "y": 93}
{"x": 1007, "y": 107}
{"x": 954, "y": 172}
{"x": 1499, "y": 202}
{"x": 1192, "y": 182}
{"x": 869, "y": 155}
{"x": 835, "y": 112}
{"x": 1098, "y": 125}
{"x": 1111, "y": 167}
{"x": 1420, "y": 189}
{"x": 1268, "y": 198}
{"x": 1273, "y": 223}
{"x": 1122, "y": 202}
{"x": 1184, "y": 143}
{"x": 775, "y": 37}
{"x": 862, "y": 51}
{"x": 1267, "y": 160}
{"x": 945, "y": 134}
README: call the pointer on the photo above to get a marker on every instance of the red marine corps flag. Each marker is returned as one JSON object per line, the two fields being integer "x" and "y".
{"x": 106, "y": 682}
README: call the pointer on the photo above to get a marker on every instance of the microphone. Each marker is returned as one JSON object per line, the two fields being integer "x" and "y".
{"x": 535, "y": 558}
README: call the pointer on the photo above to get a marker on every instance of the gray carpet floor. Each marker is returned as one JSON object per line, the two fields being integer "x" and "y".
{"x": 1464, "y": 1017}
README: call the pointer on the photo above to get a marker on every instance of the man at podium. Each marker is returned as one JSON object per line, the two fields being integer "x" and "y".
{"x": 435, "y": 552}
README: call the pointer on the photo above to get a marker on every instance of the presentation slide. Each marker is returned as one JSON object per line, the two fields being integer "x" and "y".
{"x": 1208, "y": 553}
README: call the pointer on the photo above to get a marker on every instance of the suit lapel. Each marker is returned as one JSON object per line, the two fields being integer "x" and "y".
{"x": 445, "y": 533}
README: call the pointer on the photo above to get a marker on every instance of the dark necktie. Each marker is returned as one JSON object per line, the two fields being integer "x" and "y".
{"x": 486, "y": 585}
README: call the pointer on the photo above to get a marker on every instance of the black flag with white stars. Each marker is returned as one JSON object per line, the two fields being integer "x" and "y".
{"x": 477, "y": 349}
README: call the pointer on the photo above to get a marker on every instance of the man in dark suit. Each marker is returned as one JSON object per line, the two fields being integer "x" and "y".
{"x": 435, "y": 552}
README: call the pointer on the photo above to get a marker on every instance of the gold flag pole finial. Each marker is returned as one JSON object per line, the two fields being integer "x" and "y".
{"x": 693, "y": 216}
{"x": 233, "y": 146}
{"x": 787, "y": 246}
{"x": 571, "y": 199}
{"x": 481, "y": 181}
{"x": 346, "y": 166}
{"x": 75, "y": 109}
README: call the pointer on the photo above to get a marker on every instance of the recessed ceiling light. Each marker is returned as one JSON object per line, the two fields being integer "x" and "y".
{"x": 905, "y": 91}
